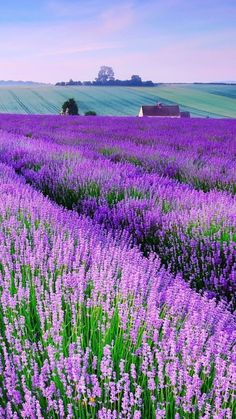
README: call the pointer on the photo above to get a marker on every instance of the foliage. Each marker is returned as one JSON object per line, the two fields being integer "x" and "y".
{"x": 90, "y": 113}
{"x": 105, "y": 75}
{"x": 70, "y": 107}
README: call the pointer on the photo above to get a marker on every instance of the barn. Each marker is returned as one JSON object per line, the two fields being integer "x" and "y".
{"x": 161, "y": 110}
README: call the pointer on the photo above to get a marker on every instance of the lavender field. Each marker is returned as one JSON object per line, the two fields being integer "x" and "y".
{"x": 117, "y": 267}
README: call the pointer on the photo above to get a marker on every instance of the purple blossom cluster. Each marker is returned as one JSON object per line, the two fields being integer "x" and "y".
{"x": 91, "y": 328}
{"x": 192, "y": 231}
{"x": 195, "y": 151}
{"x": 117, "y": 268}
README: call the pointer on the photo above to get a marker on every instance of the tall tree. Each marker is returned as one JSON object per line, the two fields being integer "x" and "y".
{"x": 105, "y": 75}
{"x": 136, "y": 80}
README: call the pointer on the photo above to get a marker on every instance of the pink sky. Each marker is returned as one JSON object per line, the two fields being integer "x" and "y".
{"x": 164, "y": 41}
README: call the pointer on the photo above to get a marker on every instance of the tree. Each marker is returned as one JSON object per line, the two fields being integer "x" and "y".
{"x": 105, "y": 75}
{"x": 70, "y": 107}
{"x": 60, "y": 83}
{"x": 136, "y": 80}
{"x": 73, "y": 83}
{"x": 90, "y": 113}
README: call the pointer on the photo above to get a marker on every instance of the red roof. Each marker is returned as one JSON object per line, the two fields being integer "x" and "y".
{"x": 161, "y": 110}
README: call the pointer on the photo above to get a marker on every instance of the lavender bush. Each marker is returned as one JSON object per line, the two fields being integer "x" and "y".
{"x": 195, "y": 151}
{"x": 192, "y": 231}
{"x": 98, "y": 315}
{"x": 90, "y": 328}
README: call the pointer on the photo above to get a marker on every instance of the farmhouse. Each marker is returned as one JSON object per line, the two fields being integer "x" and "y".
{"x": 185, "y": 114}
{"x": 161, "y": 110}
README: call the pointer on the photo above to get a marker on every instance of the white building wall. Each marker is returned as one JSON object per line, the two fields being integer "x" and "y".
{"x": 140, "y": 112}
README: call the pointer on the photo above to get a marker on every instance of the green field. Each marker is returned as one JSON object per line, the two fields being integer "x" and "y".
{"x": 201, "y": 100}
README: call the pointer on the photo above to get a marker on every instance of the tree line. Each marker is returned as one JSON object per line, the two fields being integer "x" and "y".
{"x": 106, "y": 77}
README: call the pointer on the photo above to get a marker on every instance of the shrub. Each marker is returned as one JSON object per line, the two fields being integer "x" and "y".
{"x": 70, "y": 107}
{"x": 90, "y": 113}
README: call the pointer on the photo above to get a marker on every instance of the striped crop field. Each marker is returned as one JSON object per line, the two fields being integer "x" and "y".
{"x": 217, "y": 101}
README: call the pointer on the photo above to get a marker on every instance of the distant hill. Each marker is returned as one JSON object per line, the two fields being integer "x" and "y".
{"x": 20, "y": 83}
{"x": 217, "y": 83}
{"x": 201, "y": 100}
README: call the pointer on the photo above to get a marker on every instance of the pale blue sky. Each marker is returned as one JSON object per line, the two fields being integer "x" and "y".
{"x": 162, "y": 40}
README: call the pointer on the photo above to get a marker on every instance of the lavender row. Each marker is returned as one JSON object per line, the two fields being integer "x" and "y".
{"x": 193, "y": 232}
{"x": 90, "y": 328}
{"x": 198, "y": 152}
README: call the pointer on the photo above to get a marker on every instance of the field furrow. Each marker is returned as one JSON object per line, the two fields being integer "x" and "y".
{"x": 117, "y": 267}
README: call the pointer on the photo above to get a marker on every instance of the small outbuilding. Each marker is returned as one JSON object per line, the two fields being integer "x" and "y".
{"x": 185, "y": 114}
{"x": 161, "y": 110}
